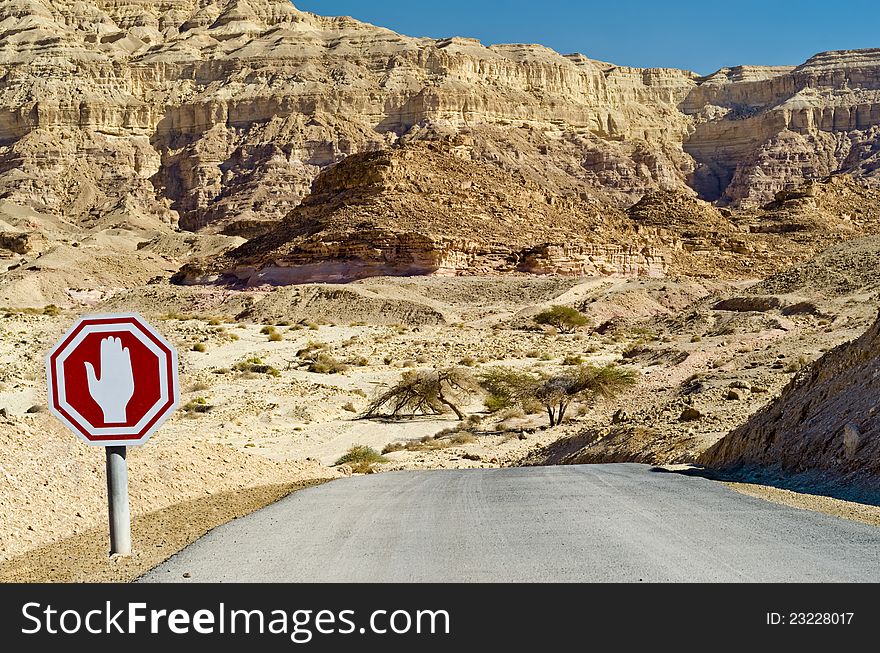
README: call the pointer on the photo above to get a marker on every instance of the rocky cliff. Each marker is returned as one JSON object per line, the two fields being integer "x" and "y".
{"x": 824, "y": 424}
{"x": 219, "y": 114}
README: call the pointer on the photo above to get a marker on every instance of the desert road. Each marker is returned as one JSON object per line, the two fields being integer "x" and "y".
{"x": 567, "y": 524}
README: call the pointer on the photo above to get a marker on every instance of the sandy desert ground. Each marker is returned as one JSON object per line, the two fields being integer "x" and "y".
{"x": 257, "y": 411}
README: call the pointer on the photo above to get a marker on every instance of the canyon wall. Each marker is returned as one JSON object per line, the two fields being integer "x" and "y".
{"x": 219, "y": 114}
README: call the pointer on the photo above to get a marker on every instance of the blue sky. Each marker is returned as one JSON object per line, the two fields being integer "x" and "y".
{"x": 701, "y": 36}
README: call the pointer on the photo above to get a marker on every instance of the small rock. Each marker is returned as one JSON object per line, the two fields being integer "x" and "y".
{"x": 733, "y": 395}
{"x": 620, "y": 417}
{"x": 186, "y": 574}
{"x": 690, "y": 414}
{"x": 852, "y": 438}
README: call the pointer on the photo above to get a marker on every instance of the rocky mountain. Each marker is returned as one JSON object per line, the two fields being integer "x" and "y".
{"x": 219, "y": 114}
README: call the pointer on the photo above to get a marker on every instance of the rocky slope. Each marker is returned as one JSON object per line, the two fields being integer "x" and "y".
{"x": 220, "y": 113}
{"x": 823, "y": 425}
{"x": 422, "y": 209}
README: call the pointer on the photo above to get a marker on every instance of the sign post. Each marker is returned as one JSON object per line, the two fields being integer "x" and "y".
{"x": 117, "y": 495}
{"x": 113, "y": 382}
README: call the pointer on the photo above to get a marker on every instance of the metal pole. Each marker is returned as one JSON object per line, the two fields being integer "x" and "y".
{"x": 117, "y": 496}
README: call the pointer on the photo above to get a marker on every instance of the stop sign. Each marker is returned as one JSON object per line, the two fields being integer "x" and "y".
{"x": 112, "y": 380}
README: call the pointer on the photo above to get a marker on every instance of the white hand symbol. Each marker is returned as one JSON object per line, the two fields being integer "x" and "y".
{"x": 114, "y": 389}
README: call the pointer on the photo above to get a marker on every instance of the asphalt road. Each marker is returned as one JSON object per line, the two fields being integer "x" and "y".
{"x": 585, "y": 523}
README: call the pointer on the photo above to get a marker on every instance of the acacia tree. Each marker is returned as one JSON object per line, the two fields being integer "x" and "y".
{"x": 424, "y": 392}
{"x": 506, "y": 387}
{"x": 557, "y": 392}
{"x": 564, "y": 319}
{"x": 587, "y": 383}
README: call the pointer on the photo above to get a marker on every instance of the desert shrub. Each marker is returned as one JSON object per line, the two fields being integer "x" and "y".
{"x": 311, "y": 348}
{"x": 198, "y": 405}
{"x": 572, "y": 360}
{"x": 514, "y": 412}
{"x": 275, "y": 337}
{"x": 214, "y": 322}
{"x": 51, "y": 310}
{"x": 267, "y": 330}
{"x": 462, "y": 438}
{"x": 255, "y": 366}
{"x": 324, "y": 363}
{"x": 199, "y": 386}
{"x": 564, "y": 319}
{"x": 349, "y": 407}
{"x": 468, "y": 361}
{"x": 361, "y": 454}
{"x": 199, "y": 347}
{"x": 643, "y": 333}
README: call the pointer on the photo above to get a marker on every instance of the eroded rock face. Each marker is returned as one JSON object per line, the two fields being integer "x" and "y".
{"x": 420, "y": 209}
{"x": 219, "y": 114}
{"x": 825, "y": 423}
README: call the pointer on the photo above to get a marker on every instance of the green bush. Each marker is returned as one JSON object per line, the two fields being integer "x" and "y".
{"x": 564, "y": 319}
{"x": 360, "y": 453}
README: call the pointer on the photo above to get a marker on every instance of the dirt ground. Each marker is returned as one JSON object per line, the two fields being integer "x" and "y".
{"x": 157, "y": 536}
{"x": 860, "y": 512}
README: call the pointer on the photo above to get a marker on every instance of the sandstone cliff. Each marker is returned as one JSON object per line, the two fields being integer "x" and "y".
{"x": 219, "y": 114}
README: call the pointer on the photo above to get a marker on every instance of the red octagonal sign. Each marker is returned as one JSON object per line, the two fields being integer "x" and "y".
{"x": 112, "y": 380}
